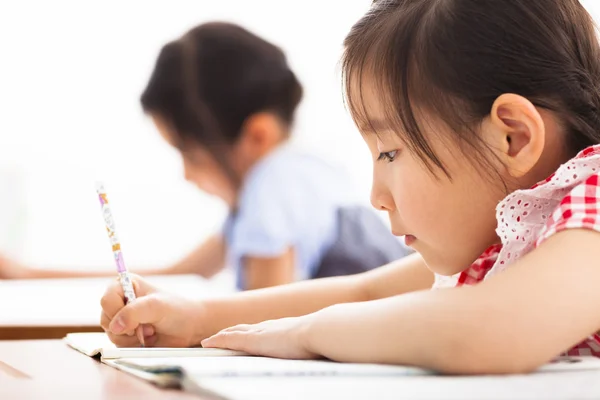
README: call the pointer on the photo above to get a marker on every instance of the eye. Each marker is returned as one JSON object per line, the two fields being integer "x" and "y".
{"x": 388, "y": 155}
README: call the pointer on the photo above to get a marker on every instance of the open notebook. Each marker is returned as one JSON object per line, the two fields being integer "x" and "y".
{"x": 188, "y": 367}
{"x": 94, "y": 344}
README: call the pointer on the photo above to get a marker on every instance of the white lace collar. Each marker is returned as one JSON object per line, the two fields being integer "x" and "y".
{"x": 523, "y": 214}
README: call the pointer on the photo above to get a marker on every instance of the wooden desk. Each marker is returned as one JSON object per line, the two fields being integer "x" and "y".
{"x": 49, "y": 369}
{"x": 51, "y": 308}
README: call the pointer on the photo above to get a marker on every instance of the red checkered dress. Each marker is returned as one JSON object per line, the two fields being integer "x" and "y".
{"x": 578, "y": 206}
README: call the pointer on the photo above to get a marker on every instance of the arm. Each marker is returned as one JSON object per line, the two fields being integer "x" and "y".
{"x": 511, "y": 323}
{"x": 300, "y": 298}
{"x": 180, "y": 322}
{"x": 266, "y": 272}
{"x": 206, "y": 260}
{"x": 10, "y": 269}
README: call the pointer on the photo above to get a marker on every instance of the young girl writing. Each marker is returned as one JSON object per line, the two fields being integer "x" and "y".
{"x": 225, "y": 99}
{"x": 483, "y": 119}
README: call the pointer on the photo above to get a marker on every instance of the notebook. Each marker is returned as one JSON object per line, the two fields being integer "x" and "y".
{"x": 187, "y": 368}
{"x": 94, "y": 344}
{"x": 98, "y": 345}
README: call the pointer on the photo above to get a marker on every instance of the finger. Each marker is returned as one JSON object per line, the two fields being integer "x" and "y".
{"x": 141, "y": 287}
{"x": 148, "y": 330}
{"x": 123, "y": 341}
{"x": 229, "y": 340}
{"x": 112, "y": 300}
{"x": 105, "y": 324}
{"x": 150, "y": 338}
{"x": 144, "y": 310}
{"x": 104, "y": 321}
{"x": 152, "y": 341}
{"x": 238, "y": 328}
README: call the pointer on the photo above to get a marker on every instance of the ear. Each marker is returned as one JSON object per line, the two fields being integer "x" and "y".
{"x": 518, "y": 133}
{"x": 260, "y": 133}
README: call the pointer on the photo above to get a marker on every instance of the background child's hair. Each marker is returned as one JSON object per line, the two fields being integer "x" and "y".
{"x": 208, "y": 82}
{"x": 453, "y": 58}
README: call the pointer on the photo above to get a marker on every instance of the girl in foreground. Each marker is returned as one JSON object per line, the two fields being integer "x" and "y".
{"x": 483, "y": 119}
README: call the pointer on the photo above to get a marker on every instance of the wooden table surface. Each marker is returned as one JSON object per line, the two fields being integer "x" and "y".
{"x": 49, "y": 369}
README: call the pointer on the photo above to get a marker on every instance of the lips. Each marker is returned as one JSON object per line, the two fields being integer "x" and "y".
{"x": 409, "y": 239}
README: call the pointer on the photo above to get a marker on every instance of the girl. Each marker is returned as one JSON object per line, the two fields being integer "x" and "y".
{"x": 225, "y": 99}
{"x": 483, "y": 119}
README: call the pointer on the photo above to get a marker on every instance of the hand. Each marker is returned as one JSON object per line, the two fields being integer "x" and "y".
{"x": 280, "y": 338}
{"x": 167, "y": 320}
{"x": 10, "y": 269}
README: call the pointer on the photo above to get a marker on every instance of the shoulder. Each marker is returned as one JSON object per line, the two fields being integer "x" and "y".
{"x": 578, "y": 195}
{"x": 292, "y": 174}
{"x": 290, "y": 161}
{"x": 568, "y": 199}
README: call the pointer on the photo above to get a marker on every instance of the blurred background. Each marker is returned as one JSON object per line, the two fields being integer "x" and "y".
{"x": 70, "y": 78}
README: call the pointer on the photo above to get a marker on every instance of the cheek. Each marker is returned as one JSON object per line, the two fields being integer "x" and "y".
{"x": 416, "y": 197}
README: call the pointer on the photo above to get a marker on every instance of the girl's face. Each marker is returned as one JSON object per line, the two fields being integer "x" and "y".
{"x": 261, "y": 134}
{"x": 450, "y": 222}
{"x": 201, "y": 168}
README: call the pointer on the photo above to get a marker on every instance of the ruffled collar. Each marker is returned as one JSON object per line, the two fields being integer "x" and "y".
{"x": 524, "y": 213}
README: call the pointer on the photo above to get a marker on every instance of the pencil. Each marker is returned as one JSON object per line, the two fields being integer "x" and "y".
{"x": 124, "y": 278}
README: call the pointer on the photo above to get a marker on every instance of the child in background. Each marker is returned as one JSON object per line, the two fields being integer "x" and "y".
{"x": 226, "y": 99}
{"x": 483, "y": 119}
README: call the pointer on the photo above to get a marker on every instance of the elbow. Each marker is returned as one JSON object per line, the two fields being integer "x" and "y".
{"x": 491, "y": 363}
{"x": 488, "y": 358}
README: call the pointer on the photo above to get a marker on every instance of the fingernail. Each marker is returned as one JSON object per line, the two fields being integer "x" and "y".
{"x": 117, "y": 325}
{"x": 148, "y": 330}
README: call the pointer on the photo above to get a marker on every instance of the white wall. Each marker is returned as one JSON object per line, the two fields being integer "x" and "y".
{"x": 70, "y": 80}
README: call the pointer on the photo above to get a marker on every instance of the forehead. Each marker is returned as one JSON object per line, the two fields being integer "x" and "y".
{"x": 164, "y": 129}
{"x": 366, "y": 104}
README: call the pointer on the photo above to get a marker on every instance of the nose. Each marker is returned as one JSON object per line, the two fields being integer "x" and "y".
{"x": 187, "y": 172}
{"x": 381, "y": 198}
{"x": 187, "y": 175}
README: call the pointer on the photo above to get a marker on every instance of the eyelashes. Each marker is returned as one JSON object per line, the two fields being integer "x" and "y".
{"x": 388, "y": 156}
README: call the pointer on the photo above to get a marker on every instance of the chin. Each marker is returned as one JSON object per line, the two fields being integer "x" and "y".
{"x": 440, "y": 265}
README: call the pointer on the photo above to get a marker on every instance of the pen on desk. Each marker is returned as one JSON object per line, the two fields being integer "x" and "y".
{"x": 124, "y": 278}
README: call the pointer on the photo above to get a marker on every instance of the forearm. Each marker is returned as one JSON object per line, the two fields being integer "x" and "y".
{"x": 47, "y": 273}
{"x": 295, "y": 299}
{"x": 38, "y": 273}
{"x": 301, "y": 298}
{"x": 409, "y": 274}
{"x": 431, "y": 329}
{"x": 206, "y": 260}
{"x": 511, "y": 323}
{"x": 62, "y": 273}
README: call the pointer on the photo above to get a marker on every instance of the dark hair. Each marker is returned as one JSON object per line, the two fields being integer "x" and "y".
{"x": 208, "y": 82}
{"x": 454, "y": 58}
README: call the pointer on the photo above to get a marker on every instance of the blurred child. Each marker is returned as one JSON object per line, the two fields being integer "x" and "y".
{"x": 226, "y": 99}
